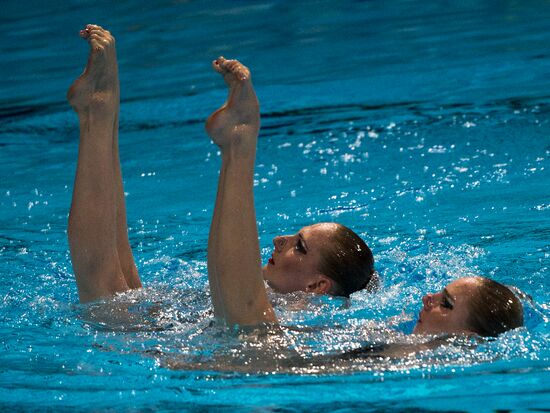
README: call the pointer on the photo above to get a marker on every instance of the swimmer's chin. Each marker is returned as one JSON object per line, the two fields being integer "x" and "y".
{"x": 264, "y": 272}
{"x": 266, "y": 280}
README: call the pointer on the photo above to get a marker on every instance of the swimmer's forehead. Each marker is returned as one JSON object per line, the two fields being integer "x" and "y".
{"x": 323, "y": 227}
{"x": 461, "y": 287}
{"x": 317, "y": 234}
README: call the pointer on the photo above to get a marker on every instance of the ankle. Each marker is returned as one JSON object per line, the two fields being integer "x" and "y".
{"x": 92, "y": 118}
{"x": 97, "y": 103}
{"x": 241, "y": 147}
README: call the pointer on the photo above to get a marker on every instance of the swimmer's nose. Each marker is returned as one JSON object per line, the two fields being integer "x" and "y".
{"x": 279, "y": 242}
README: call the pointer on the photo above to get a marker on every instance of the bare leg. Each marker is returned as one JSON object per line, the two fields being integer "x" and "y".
{"x": 234, "y": 267}
{"x": 124, "y": 250}
{"x": 93, "y": 228}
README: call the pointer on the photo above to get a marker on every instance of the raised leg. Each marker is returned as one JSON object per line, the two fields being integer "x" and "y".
{"x": 234, "y": 266}
{"x": 124, "y": 250}
{"x": 95, "y": 215}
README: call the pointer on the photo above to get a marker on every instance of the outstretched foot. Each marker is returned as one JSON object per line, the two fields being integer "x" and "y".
{"x": 98, "y": 84}
{"x": 237, "y": 123}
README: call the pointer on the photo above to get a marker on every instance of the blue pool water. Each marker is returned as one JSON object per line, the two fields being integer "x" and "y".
{"x": 424, "y": 126}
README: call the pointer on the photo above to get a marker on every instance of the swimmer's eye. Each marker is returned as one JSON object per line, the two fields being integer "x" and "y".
{"x": 445, "y": 303}
{"x": 300, "y": 247}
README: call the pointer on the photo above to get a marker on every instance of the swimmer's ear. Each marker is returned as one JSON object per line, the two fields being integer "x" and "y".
{"x": 320, "y": 284}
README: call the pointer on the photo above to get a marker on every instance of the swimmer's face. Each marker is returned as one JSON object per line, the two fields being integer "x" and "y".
{"x": 295, "y": 261}
{"x": 448, "y": 310}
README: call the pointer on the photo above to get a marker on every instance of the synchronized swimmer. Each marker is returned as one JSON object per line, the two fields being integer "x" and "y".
{"x": 325, "y": 258}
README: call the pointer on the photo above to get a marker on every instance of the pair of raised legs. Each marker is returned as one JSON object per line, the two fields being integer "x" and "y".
{"x": 98, "y": 235}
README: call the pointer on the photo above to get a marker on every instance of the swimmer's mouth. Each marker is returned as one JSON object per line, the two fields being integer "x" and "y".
{"x": 271, "y": 261}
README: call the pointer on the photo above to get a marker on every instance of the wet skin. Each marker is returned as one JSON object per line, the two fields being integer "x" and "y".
{"x": 234, "y": 265}
{"x": 448, "y": 310}
{"x": 97, "y": 231}
{"x": 100, "y": 251}
{"x": 294, "y": 264}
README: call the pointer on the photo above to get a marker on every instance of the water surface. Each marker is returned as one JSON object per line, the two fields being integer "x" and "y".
{"x": 423, "y": 127}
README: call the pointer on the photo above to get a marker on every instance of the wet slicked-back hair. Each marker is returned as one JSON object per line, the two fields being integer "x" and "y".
{"x": 348, "y": 260}
{"x": 494, "y": 309}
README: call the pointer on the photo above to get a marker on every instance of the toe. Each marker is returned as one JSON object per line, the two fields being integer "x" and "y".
{"x": 240, "y": 71}
{"x": 97, "y": 32}
{"x": 94, "y": 28}
{"x": 231, "y": 68}
{"x": 97, "y": 43}
{"x": 218, "y": 65}
{"x": 229, "y": 64}
{"x": 102, "y": 34}
{"x": 87, "y": 31}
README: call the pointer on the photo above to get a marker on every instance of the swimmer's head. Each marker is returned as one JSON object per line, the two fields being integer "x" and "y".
{"x": 348, "y": 261}
{"x": 325, "y": 258}
{"x": 470, "y": 305}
